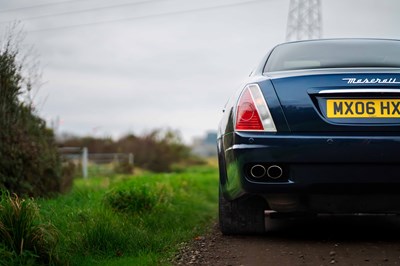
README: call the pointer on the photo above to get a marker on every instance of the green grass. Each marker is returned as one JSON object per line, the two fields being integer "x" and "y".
{"x": 25, "y": 239}
{"x": 132, "y": 220}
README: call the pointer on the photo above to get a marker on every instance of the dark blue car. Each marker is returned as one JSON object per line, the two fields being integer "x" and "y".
{"x": 316, "y": 129}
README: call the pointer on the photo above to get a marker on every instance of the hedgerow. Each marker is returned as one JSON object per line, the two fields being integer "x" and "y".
{"x": 29, "y": 162}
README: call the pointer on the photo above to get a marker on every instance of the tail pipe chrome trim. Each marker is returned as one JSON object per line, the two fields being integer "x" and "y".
{"x": 258, "y": 171}
{"x": 274, "y": 172}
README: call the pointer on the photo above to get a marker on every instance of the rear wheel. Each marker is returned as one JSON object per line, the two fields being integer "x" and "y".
{"x": 242, "y": 216}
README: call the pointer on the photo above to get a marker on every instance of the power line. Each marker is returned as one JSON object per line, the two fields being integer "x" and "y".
{"x": 144, "y": 17}
{"x": 84, "y": 10}
{"x": 37, "y": 6}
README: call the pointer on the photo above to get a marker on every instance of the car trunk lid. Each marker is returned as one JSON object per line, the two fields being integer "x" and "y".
{"x": 324, "y": 101}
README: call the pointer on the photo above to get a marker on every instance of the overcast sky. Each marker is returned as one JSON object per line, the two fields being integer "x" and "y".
{"x": 114, "y": 67}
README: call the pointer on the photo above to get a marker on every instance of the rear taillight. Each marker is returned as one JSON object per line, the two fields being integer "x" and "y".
{"x": 252, "y": 111}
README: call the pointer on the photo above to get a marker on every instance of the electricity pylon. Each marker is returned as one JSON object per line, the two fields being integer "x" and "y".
{"x": 304, "y": 20}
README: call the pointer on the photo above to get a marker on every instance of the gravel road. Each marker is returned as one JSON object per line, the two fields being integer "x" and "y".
{"x": 327, "y": 240}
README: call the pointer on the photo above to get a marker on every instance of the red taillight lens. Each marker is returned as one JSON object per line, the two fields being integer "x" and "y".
{"x": 247, "y": 115}
{"x": 252, "y": 111}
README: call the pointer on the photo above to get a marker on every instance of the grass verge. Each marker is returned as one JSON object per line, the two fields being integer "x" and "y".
{"x": 24, "y": 238}
{"x": 135, "y": 220}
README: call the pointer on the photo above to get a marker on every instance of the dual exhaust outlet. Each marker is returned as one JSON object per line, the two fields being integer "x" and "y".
{"x": 259, "y": 171}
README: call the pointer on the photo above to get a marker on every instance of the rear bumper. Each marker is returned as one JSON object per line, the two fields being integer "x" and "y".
{"x": 313, "y": 165}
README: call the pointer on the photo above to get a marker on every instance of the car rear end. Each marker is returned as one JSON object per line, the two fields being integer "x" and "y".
{"x": 326, "y": 139}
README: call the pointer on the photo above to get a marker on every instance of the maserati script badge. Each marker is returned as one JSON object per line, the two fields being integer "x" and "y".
{"x": 371, "y": 81}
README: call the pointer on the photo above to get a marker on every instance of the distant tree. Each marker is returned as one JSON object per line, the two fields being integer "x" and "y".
{"x": 156, "y": 151}
{"x": 94, "y": 145}
{"x": 29, "y": 161}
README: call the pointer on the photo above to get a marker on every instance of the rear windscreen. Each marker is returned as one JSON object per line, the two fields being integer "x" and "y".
{"x": 334, "y": 54}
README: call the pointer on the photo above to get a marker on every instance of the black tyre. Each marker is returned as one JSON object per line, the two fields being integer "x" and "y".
{"x": 242, "y": 216}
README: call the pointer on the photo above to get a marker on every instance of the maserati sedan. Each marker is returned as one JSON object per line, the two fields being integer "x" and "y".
{"x": 314, "y": 130}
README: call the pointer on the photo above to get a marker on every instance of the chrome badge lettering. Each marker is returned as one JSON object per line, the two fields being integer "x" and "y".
{"x": 371, "y": 81}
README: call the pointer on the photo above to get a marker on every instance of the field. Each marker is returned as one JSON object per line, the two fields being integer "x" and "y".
{"x": 130, "y": 220}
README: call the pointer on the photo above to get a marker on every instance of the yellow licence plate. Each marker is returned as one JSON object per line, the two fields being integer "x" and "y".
{"x": 363, "y": 108}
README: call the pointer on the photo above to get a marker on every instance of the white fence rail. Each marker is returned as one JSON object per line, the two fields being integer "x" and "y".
{"x": 81, "y": 154}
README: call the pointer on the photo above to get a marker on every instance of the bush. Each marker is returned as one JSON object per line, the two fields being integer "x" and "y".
{"x": 156, "y": 151}
{"x": 24, "y": 237}
{"x": 131, "y": 199}
{"x": 123, "y": 168}
{"x": 29, "y": 159}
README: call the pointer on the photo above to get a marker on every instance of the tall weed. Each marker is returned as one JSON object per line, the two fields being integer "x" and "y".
{"x": 24, "y": 236}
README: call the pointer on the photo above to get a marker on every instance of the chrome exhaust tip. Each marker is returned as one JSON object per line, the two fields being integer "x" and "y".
{"x": 258, "y": 171}
{"x": 274, "y": 172}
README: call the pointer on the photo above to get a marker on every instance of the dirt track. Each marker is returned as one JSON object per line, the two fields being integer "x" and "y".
{"x": 317, "y": 241}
